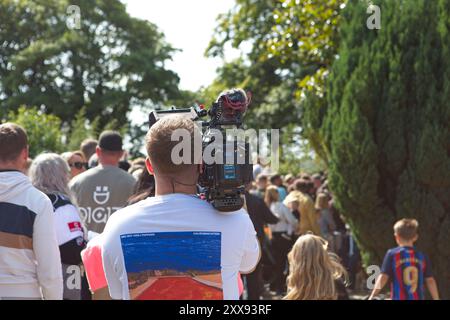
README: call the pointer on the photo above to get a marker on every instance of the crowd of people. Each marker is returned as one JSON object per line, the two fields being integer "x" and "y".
{"x": 295, "y": 205}
{"x": 82, "y": 225}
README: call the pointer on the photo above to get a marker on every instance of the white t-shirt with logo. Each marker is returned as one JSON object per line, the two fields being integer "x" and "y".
{"x": 67, "y": 224}
{"x": 177, "y": 246}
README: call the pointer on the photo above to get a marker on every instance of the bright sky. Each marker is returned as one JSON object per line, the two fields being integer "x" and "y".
{"x": 187, "y": 25}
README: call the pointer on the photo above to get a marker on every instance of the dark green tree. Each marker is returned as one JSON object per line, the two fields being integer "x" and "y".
{"x": 107, "y": 63}
{"x": 387, "y": 127}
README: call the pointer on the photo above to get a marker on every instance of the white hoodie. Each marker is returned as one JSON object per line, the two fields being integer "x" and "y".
{"x": 30, "y": 263}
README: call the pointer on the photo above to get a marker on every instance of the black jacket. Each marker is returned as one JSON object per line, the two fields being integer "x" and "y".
{"x": 259, "y": 213}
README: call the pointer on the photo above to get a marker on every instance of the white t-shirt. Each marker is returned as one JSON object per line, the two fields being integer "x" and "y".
{"x": 177, "y": 246}
{"x": 287, "y": 222}
{"x": 67, "y": 224}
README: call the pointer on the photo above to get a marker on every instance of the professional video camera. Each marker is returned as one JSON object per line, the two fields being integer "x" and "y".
{"x": 222, "y": 182}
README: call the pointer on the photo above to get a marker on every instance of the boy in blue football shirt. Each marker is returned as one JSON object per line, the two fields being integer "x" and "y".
{"x": 406, "y": 268}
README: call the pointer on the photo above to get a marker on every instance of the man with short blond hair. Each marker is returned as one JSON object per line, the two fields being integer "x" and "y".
{"x": 159, "y": 145}
{"x": 175, "y": 245}
{"x": 30, "y": 264}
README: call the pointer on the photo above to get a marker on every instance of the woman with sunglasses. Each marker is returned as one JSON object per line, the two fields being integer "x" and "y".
{"x": 76, "y": 161}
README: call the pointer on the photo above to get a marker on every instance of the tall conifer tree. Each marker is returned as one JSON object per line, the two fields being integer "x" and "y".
{"x": 388, "y": 127}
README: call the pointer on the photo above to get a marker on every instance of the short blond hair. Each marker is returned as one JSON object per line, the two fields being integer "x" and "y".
{"x": 406, "y": 229}
{"x": 159, "y": 143}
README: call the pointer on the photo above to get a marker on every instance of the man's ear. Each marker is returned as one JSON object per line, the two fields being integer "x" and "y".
{"x": 25, "y": 153}
{"x": 24, "y": 159}
{"x": 149, "y": 167}
{"x": 97, "y": 151}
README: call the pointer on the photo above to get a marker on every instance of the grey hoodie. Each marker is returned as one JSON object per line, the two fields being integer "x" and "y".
{"x": 30, "y": 263}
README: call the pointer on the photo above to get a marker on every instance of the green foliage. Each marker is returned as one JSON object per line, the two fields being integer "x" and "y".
{"x": 387, "y": 127}
{"x": 43, "y": 130}
{"x": 298, "y": 156}
{"x": 137, "y": 140}
{"x": 292, "y": 47}
{"x": 81, "y": 129}
{"x": 111, "y": 62}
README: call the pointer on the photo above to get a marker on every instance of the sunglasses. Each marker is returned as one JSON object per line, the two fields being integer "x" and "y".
{"x": 79, "y": 165}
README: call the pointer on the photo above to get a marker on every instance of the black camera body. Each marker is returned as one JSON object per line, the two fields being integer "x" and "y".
{"x": 222, "y": 182}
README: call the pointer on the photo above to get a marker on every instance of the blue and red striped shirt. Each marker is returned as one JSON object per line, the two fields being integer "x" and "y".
{"x": 407, "y": 268}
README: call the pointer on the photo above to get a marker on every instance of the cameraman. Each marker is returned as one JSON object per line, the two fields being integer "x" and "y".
{"x": 173, "y": 214}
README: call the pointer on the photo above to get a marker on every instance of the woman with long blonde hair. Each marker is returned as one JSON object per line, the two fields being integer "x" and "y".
{"x": 314, "y": 273}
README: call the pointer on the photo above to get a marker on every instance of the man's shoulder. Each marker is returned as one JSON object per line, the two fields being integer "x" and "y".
{"x": 152, "y": 209}
{"x": 125, "y": 175}
{"x": 156, "y": 205}
{"x": 128, "y": 213}
{"x": 252, "y": 197}
{"x": 39, "y": 200}
{"x": 84, "y": 177}
{"x": 239, "y": 220}
{"x": 125, "y": 213}
{"x": 115, "y": 173}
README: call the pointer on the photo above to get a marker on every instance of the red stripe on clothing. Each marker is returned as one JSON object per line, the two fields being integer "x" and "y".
{"x": 398, "y": 270}
{"x": 413, "y": 264}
